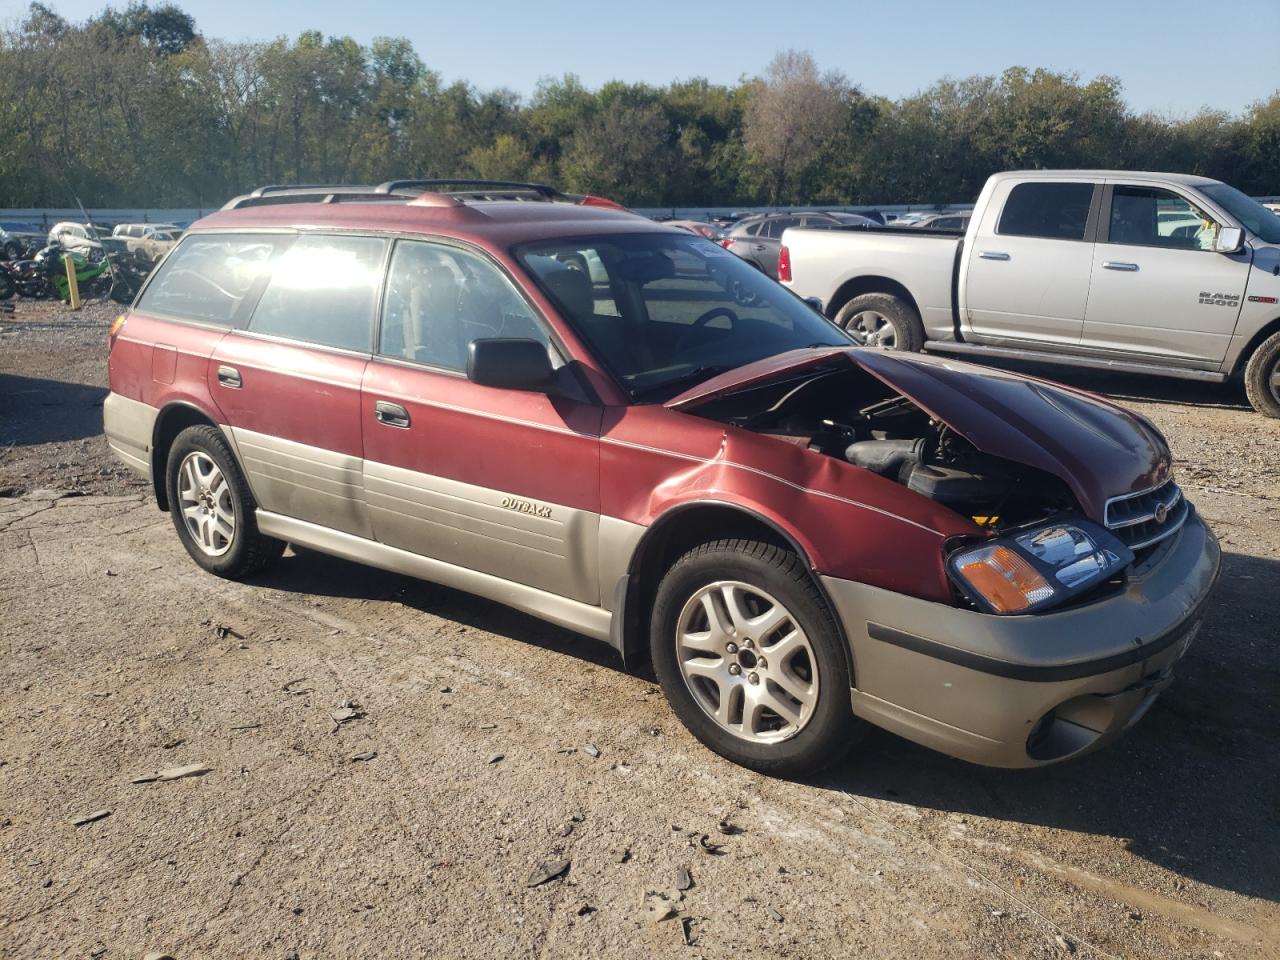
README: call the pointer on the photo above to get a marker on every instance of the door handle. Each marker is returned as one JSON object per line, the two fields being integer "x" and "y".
{"x": 993, "y": 255}
{"x": 392, "y": 414}
{"x": 229, "y": 377}
{"x": 759, "y": 247}
{"x": 1119, "y": 265}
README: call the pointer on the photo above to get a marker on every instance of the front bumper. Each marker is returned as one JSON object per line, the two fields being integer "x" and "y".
{"x": 1025, "y": 691}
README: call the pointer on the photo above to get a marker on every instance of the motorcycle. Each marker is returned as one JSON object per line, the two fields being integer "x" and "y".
{"x": 45, "y": 276}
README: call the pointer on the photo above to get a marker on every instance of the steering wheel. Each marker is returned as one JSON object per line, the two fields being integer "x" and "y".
{"x": 701, "y": 322}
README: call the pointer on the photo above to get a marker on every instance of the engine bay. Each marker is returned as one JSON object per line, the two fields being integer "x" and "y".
{"x": 847, "y": 414}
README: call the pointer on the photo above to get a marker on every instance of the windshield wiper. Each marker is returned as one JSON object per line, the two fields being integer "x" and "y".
{"x": 692, "y": 378}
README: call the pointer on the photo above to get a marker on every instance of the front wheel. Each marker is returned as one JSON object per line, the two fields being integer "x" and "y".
{"x": 882, "y": 320}
{"x": 750, "y": 659}
{"x": 1262, "y": 377}
{"x": 213, "y": 508}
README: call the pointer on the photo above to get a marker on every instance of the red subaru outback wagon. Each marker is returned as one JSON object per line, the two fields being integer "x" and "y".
{"x": 624, "y": 429}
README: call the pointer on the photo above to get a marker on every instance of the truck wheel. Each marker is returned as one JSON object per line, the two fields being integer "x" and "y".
{"x": 882, "y": 320}
{"x": 213, "y": 508}
{"x": 750, "y": 660}
{"x": 1262, "y": 377}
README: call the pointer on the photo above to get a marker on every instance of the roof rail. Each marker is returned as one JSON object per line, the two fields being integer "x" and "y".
{"x": 476, "y": 189}
{"x": 306, "y": 193}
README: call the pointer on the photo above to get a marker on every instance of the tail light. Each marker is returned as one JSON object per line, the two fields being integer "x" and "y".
{"x": 784, "y": 263}
{"x": 114, "y": 329}
{"x": 593, "y": 201}
{"x": 727, "y": 242}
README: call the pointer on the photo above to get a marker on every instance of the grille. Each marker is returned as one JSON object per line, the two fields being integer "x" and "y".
{"x": 1141, "y": 519}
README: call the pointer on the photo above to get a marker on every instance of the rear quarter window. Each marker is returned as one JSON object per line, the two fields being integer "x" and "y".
{"x": 208, "y": 276}
{"x": 1055, "y": 211}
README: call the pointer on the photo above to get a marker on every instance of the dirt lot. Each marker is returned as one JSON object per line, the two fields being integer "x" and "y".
{"x": 122, "y": 658}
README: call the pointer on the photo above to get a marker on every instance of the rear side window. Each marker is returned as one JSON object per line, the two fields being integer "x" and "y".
{"x": 208, "y": 276}
{"x": 323, "y": 290}
{"x": 1057, "y": 211}
{"x": 439, "y": 298}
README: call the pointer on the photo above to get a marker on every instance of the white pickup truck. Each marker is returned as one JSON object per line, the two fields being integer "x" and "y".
{"x": 1155, "y": 273}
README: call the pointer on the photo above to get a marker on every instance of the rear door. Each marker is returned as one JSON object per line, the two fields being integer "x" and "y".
{"x": 1030, "y": 261}
{"x": 289, "y": 384}
{"x": 502, "y": 482}
{"x": 1158, "y": 287}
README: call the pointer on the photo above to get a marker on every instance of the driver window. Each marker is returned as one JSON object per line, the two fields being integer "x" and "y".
{"x": 439, "y": 298}
{"x": 1143, "y": 216}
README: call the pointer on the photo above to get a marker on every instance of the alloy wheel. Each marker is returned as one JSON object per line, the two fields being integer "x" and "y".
{"x": 207, "y": 508}
{"x": 872, "y": 329}
{"x": 747, "y": 662}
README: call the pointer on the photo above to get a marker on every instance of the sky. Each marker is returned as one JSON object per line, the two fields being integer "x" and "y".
{"x": 1159, "y": 50}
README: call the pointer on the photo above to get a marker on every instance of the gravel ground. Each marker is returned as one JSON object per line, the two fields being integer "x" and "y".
{"x": 122, "y": 658}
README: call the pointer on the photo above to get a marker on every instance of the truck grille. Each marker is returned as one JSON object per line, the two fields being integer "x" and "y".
{"x": 1142, "y": 519}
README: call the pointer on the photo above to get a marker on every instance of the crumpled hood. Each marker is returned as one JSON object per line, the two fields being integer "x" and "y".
{"x": 1098, "y": 449}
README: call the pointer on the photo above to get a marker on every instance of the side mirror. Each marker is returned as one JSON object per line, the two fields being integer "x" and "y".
{"x": 815, "y": 304}
{"x": 510, "y": 363}
{"x": 1230, "y": 240}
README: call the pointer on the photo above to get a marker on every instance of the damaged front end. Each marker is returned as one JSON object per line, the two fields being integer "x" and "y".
{"x": 1044, "y": 474}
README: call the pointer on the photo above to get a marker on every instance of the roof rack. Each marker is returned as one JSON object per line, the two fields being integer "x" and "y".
{"x": 436, "y": 192}
{"x": 475, "y": 189}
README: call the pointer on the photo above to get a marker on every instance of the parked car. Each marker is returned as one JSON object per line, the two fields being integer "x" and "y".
{"x": 957, "y": 221}
{"x": 698, "y": 228}
{"x": 758, "y": 239}
{"x": 81, "y": 237}
{"x": 150, "y": 241}
{"x": 1155, "y": 273}
{"x": 683, "y": 460}
{"x": 18, "y": 243}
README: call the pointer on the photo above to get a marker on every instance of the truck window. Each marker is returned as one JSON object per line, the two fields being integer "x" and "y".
{"x": 323, "y": 290}
{"x": 209, "y": 274}
{"x": 1056, "y": 211}
{"x": 1148, "y": 217}
{"x": 439, "y": 298}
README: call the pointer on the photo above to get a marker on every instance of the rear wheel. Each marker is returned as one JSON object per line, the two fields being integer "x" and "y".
{"x": 1262, "y": 377}
{"x": 882, "y": 320}
{"x": 750, "y": 659}
{"x": 213, "y": 508}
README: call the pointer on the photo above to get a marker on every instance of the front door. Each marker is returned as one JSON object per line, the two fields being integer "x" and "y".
{"x": 503, "y": 482}
{"x": 1028, "y": 272}
{"x": 1158, "y": 286}
{"x": 289, "y": 384}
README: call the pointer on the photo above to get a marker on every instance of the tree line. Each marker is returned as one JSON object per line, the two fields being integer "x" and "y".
{"x": 134, "y": 107}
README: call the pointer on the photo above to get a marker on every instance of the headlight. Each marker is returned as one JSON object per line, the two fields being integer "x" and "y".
{"x": 1038, "y": 568}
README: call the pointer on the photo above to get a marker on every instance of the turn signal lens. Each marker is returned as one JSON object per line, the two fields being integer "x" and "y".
{"x": 1003, "y": 578}
{"x": 114, "y": 329}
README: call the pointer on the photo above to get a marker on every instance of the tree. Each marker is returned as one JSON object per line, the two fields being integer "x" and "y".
{"x": 790, "y": 115}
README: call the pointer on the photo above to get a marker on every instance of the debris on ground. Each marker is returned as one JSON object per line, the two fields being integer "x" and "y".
{"x": 91, "y": 817}
{"x": 347, "y": 711}
{"x": 289, "y": 687}
{"x": 715, "y": 849}
{"x": 729, "y": 829}
{"x": 223, "y": 631}
{"x": 365, "y": 756}
{"x": 174, "y": 773}
{"x": 661, "y": 905}
{"x": 495, "y": 758}
{"x": 543, "y": 872}
{"x": 586, "y": 910}
{"x": 774, "y": 915}
{"x": 684, "y": 879}
{"x": 620, "y": 854}
{"x": 488, "y": 726}
{"x": 686, "y": 930}
{"x": 1063, "y": 943}
{"x": 591, "y": 750}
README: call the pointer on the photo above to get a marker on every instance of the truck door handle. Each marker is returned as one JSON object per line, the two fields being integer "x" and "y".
{"x": 759, "y": 247}
{"x": 993, "y": 255}
{"x": 229, "y": 377}
{"x": 1119, "y": 265}
{"x": 392, "y": 414}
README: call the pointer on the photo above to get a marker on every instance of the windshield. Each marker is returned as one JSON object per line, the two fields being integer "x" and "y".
{"x": 1256, "y": 218}
{"x": 664, "y": 312}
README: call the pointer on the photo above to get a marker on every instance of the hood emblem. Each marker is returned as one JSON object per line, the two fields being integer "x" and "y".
{"x": 1162, "y": 513}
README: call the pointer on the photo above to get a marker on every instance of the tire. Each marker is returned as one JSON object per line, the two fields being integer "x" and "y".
{"x": 222, "y": 494}
{"x": 1262, "y": 377}
{"x": 813, "y": 731}
{"x": 882, "y": 320}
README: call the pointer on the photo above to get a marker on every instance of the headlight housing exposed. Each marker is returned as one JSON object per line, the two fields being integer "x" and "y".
{"x": 1037, "y": 568}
